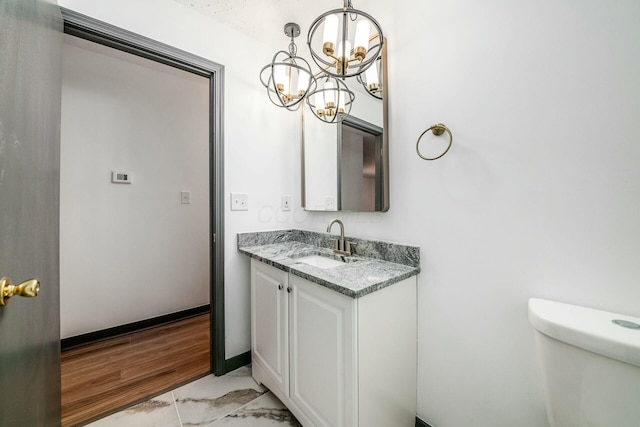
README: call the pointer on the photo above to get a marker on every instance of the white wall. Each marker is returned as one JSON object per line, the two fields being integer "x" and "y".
{"x": 539, "y": 196}
{"x": 130, "y": 252}
{"x": 261, "y": 142}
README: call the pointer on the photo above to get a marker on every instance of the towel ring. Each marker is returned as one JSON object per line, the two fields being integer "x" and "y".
{"x": 438, "y": 129}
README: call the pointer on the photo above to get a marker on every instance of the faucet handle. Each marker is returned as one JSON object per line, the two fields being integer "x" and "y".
{"x": 342, "y": 247}
{"x": 348, "y": 246}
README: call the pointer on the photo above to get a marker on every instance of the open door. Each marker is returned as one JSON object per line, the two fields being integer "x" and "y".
{"x": 30, "y": 56}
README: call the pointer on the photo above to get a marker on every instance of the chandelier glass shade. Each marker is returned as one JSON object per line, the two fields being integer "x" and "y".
{"x": 332, "y": 100}
{"x": 345, "y": 42}
{"x": 288, "y": 78}
{"x": 372, "y": 79}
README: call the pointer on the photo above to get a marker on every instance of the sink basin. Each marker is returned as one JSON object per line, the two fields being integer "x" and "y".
{"x": 320, "y": 261}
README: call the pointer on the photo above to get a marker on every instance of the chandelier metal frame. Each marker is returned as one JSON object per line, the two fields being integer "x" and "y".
{"x": 276, "y": 91}
{"x": 332, "y": 112}
{"x": 358, "y": 61}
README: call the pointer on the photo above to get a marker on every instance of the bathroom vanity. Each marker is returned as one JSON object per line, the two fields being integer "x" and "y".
{"x": 334, "y": 337}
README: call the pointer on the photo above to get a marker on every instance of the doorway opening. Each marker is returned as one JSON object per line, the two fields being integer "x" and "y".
{"x": 126, "y": 208}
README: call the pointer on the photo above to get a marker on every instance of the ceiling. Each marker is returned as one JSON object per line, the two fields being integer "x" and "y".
{"x": 265, "y": 19}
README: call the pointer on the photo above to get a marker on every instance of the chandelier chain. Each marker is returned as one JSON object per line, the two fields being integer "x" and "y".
{"x": 293, "y": 49}
{"x": 352, "y": 16}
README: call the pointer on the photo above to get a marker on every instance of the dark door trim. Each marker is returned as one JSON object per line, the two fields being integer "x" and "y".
{"x": 100, "y": 32}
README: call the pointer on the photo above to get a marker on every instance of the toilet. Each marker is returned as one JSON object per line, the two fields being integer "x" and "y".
{"x": 590, "y": 361}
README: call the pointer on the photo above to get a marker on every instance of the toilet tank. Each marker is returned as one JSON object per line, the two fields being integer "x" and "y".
{"x": 590, "y": 365}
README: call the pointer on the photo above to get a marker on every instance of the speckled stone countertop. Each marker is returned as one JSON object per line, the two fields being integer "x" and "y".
{"x": 374, "y": 264}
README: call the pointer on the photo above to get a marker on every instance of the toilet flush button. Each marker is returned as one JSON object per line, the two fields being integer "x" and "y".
{"x": 626, "y": 324}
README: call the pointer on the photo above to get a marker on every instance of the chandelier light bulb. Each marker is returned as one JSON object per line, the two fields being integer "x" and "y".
{"x": 280, "y": 77}
{"x": 371, "y": 76}
{"x": 344, "y": 50}
{"x": 329, "y": 95}
{"x": 341, "y": 102}
{"x": 344, "y": 53}
{"x": 330, "y": 34}
{"x": 318, "y": 101}
{"x": 361, "y": 41}
{"x": 303, "y": 83}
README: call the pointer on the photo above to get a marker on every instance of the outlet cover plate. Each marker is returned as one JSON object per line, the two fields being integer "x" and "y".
{"x": 185, "y": 197}
{"x": 286, "y": 203}
{"x": 239, "y": 202}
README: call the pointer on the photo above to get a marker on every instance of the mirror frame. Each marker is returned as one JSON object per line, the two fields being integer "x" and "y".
{"x": 384, "y": 152}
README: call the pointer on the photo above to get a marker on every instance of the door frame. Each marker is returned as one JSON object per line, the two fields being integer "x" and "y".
{"x": 91, "y": 29}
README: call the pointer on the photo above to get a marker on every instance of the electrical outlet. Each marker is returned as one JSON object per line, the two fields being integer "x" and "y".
{"x": 185, "y": 197}
{"x": 286, "y": 203}
{"x": 330, "y": 203}
{"x": 239, "y": 202}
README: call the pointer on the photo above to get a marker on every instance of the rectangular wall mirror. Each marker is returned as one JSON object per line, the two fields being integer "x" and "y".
{"x": 345, "y": 166}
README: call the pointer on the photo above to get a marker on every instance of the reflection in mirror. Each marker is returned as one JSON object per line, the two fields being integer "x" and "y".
{"x": 359, "y": 163}
{"x": 373, "y": 79}
{"x": 345, "y": 166}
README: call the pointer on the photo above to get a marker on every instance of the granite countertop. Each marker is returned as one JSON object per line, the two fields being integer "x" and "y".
{"x": 374, "y": 265}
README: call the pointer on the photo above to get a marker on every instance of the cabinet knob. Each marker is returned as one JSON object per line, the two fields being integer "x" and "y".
{"x": 289, "y": 289}
{"x": 280, "y": 286}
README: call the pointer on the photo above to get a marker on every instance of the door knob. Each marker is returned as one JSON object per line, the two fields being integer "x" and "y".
{"x": 28, "y": 288}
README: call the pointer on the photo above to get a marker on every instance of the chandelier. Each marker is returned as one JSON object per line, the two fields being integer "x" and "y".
{"x": 345, "y": 49}
{"x": 331, "y": 100}
{"x": 351, "y": 46}
{"x": 288, "y": 78}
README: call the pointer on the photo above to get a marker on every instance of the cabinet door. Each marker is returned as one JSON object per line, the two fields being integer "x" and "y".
{"x": 269, "y": 327}
{"x": 322, "y": 340}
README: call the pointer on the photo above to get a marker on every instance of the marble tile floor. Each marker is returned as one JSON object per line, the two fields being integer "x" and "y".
{"x": 233, "y": 400}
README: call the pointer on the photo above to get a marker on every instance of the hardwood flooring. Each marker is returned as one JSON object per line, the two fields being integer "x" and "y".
{"x": 103, "y": 377}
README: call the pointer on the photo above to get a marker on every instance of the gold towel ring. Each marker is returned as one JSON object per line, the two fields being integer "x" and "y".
{"x": 438, "y": 129}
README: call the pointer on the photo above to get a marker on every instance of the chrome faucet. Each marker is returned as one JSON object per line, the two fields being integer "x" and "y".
{"x": 340, "y": 247}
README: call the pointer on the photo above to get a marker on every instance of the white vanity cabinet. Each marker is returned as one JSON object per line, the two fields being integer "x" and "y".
{"x": 270, "y": 326}
{"x": 334, "y": 360}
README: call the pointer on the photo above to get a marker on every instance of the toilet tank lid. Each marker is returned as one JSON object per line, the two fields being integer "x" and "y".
{"x": 587, "y": 328}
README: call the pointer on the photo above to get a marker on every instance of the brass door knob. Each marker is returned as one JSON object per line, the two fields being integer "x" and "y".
{"x": 28, "y": 288}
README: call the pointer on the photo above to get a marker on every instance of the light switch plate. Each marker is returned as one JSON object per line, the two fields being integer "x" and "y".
{"x": 239, "y": 202}
{"x": 119, "y": 177}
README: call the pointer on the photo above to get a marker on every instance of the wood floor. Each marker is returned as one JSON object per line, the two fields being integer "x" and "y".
{"x": 102, "y": 377}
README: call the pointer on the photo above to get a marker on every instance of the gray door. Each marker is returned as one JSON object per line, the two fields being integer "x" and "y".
{"x": 30, "y": 55}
